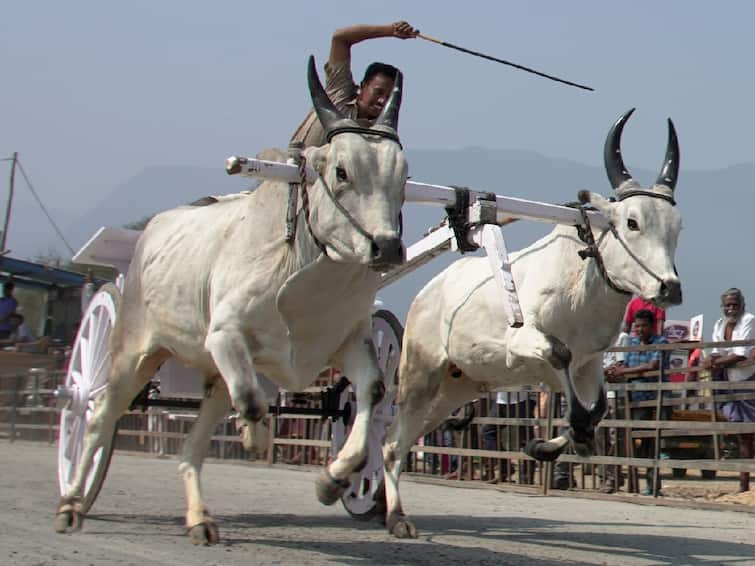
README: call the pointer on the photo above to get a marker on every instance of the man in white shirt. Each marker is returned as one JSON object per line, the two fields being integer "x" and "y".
{"x": 736, "y": 324}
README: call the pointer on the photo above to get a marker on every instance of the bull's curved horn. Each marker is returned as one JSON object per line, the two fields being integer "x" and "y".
{"x": 670, "y": 169}
{"x": 615, "y": 169}
{"x": 324, "y": 107}
{"x": 389, "y": 114}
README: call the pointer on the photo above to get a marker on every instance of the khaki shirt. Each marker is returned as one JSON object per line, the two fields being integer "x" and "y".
{"x": 340, "y": 87}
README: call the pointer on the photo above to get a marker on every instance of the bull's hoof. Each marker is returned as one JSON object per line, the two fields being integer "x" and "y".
{"x": 400, "y": 526}
{"x": 583, "y": 444}
{"x": 253, "y": 436}
{"x": 542, "y": 451}
{"x": 329, "y": 489}
{"x": 205, "y": 533}
{"x": 584, "y": 449}
{"x": 69, "y": 517}
{"x": 67, "y": 522}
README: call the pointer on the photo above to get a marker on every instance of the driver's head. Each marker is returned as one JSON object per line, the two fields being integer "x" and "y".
{"x": 375, "y": 90}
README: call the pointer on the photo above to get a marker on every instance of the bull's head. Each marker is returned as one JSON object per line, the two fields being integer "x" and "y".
{"x": 356, "y": 207}
{"x": 638, "y": 251}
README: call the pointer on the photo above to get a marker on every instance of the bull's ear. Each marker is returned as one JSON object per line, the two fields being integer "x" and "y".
{"x": 594, "y": 199}
{"x": 316, "y": 157}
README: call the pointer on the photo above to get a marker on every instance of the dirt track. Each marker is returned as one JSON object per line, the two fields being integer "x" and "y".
{"x": 270, "y": 516}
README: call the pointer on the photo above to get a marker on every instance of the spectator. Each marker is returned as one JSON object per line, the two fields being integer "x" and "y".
{"x": 637, "y": 304}
{"x": 507, "y": 405}
{"x": 21, "y": 332}
{"x": 8, "y": 305}
{"x": 736, "y": 324}
{"x": 636, "y": 362}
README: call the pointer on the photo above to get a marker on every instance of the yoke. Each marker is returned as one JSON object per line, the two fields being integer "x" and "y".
{"x": 474, "y": 220}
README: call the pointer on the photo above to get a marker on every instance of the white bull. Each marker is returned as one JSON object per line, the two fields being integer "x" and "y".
{"x": 458, "y": 344}
{"x": 219, "y": 288}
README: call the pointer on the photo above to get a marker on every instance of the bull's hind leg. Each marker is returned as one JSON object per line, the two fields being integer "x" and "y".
{"x": 421, "y": 411}
{"x": 128, "y": 376}
{"x": 359, "y": 363}
{"x": 199, "y": 524}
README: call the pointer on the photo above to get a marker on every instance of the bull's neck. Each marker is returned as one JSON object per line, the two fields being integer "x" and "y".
{"x": 591, "y": 292}
{"x": 305, "y": 248}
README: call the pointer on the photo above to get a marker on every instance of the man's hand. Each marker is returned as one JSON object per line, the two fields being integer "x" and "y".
{"x": 613, "y": 374}
{"x": 710, "y": 361}
{"x": 403, "y": 30}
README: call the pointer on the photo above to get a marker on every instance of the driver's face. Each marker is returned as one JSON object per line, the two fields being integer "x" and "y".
{"x": 373, "y": 95}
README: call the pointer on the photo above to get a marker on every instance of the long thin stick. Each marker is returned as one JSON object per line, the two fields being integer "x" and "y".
{"x": 504, "y": 62}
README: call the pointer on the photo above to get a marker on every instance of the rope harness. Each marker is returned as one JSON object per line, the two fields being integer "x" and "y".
{"x": 584, "y": 232}
{"x": 339, "y": 207}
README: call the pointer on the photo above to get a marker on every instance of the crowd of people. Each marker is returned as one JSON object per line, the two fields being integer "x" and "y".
{"x": 643, "y": 327}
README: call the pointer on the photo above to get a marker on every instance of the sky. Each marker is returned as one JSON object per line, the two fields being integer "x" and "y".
{"x": 93, "y": 92}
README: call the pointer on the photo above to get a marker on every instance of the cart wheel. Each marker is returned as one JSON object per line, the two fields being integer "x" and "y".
{"x": 86, "y": 379}
{"x": 708, "y": 474}
{"x": 360, "y": 500}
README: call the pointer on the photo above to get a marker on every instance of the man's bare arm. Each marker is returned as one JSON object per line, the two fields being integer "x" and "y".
{"x": 344, "y": 38}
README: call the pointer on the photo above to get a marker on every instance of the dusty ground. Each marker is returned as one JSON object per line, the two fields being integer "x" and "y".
{"x": 270, "y": 516}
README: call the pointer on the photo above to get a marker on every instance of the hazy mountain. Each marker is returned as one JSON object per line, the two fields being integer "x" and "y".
{"x": 712, "y": 256}
{"x": 152, "y": 190}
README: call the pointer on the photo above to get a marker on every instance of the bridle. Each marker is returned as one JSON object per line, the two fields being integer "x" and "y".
{"x": 328, "y": 191}
{"x": 584, "y": 232}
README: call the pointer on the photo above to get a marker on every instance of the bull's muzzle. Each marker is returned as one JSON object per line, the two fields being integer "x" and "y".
{"x": 670, "y": 292}
{"x": 387, "y": 251}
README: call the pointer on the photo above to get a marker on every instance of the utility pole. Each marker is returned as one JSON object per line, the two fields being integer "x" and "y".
{"x": 10, "y": 201}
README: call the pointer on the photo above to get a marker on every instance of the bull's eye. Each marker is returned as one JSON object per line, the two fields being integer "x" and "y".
{"x": 341, "y": 174}
{"x": 632, "y": 224}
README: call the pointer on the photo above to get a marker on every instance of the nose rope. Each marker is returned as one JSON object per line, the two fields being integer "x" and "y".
{"x": 585, "y": 234}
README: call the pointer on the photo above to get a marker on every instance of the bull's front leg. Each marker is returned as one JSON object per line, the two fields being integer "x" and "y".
{"x": 359, "y": 363}
{"x": 587, "y": 405}
{"x": 230, "y": 351}
{"x": 580, "y": 388}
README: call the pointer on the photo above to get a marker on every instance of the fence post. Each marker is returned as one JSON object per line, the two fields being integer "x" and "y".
{"x": 714, "y": 418}
{"x": 549, "y": 407}
{"x": 271, "y": 440}
{"x": 657, "y": 446}
{"x": 14, "y": 408}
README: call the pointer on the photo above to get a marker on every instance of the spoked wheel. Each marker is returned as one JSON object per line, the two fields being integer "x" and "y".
{"x": 360, "y": 499}
{"x": 86, "y": 380}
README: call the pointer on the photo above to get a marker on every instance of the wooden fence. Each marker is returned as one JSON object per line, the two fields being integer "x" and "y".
{"x": 689, "y": 433}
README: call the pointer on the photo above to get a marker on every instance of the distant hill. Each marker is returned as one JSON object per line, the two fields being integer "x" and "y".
{"x": 152, "y": 190}
{"x": 713, "y": 250}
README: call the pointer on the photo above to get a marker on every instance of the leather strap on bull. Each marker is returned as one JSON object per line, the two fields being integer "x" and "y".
{"x": 584, "y": 231}
{"x": 295, "y": 157}
{"x": 364, "y": 132}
